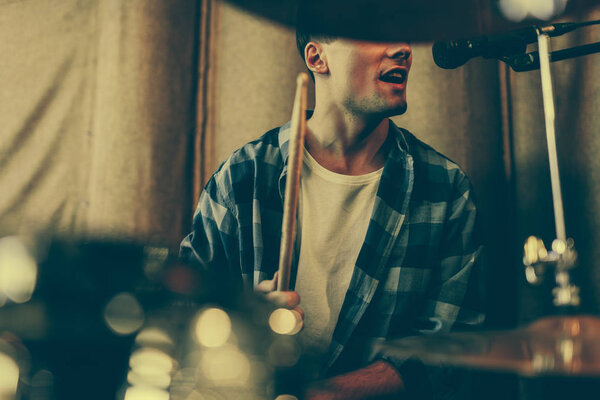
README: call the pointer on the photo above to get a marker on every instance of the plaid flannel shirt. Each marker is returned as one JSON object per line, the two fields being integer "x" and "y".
{"x": 414, "y": 272}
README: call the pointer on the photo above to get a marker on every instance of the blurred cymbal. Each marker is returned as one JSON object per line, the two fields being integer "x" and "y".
{"x": 396, "y": 20}
{"x": 566, "y": 346}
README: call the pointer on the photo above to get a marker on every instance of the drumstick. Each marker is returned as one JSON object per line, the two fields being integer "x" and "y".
{"x": 292, "y": 185}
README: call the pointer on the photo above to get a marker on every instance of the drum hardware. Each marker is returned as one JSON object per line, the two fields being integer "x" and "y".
{"x": 565, "y": 346}
{"x": 531, "y": 61}
{"x": 561, "y": 258}
{"x": 551, "y": 346}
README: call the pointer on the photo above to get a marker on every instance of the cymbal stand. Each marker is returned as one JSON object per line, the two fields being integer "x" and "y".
{"x": 563, "y": 256}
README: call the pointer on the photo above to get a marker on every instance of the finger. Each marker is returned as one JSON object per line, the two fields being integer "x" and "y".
{"x": 268, "y": 285}
{"x": 300, "y": 311}
{"x": 284, "y": 299}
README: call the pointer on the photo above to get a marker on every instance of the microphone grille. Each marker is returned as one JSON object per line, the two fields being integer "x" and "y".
{"x": 450, "y": 55}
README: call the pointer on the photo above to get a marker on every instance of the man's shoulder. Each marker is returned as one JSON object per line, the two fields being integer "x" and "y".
{"x": 258, "y": 162}
{"x": 264, "y": 149}
{"x": 427, "y": 157}
{"x": 425, "y": 154}
{"x": 252, "y": 155}
{"x": 437, "y": 177}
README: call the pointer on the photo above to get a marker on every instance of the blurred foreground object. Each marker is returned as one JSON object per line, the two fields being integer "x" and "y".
{"x": 105, "y": 319}
{"x": 556, "y": 346}
{"x": 408, "y": 20}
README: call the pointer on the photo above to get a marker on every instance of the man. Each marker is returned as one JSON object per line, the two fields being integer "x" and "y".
{"x": 385, "y": 243}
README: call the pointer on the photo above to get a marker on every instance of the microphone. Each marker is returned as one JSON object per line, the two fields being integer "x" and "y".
{"x": 454, "y": 53}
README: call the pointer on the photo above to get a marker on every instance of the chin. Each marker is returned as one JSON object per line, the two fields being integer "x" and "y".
{"x": 376, "y": 106}
{"x": 397, "y": 110}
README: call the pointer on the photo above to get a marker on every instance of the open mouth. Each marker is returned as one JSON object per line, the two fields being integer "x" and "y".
{"x": 397, "y": 76}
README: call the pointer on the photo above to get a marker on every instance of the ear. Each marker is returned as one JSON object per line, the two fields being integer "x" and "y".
{"x": 315, "y": 58}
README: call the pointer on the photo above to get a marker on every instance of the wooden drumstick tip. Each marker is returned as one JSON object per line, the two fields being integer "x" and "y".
{"x": 302, "y": 79}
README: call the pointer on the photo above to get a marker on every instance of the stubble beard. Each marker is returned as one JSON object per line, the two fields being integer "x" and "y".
{"x": 374, "y": 106}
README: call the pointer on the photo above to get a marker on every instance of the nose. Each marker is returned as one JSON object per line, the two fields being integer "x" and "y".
{"x": 399, "y": 51}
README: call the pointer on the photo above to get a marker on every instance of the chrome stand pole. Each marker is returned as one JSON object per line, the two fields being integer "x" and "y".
{"x": 563, "y": 256}
{"x": 549, "y": 115}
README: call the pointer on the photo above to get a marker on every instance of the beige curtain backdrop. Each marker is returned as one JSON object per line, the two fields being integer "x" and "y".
{"x": 97, "y": 112}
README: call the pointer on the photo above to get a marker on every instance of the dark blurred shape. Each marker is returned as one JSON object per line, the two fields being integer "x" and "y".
{"x": 395, "y": 20}
{"x": 71, "y": 341}
{"x": 90, "y": 297}
{"x": 110, "y": 319}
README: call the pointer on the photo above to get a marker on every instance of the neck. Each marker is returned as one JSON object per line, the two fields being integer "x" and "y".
{"x": 346, "y": 143}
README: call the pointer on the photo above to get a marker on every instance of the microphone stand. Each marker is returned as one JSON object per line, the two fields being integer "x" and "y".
{"x": 531, "y": 61}
{"x": 563, "y": 256}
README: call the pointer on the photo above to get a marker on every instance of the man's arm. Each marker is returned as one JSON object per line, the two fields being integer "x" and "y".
{"x": 213, "y": 243}
{"x": 455, "y": 297}
{"x": 379, "y": 380}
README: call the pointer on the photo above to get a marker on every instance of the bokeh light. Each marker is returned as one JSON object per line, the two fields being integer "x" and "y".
{"x": 153, "y": 337}
{"x": 123, "y": 314}
{"x": 148, "y": 360}
{"x": 559, "y": 246}
{"x": 149, "y": 377}
{"x": 9, "y": 377}
{"x": 567, "y": 351}
{"x": 212, "y": 327}
{"x": 146, "y": 393}
{"x": 149, "y": 374}
{"x": 513, "y": 10}
{"x": 518, "y": 10}
{"x": 18, "y": 270}
{"x": 225, "y": 365}
{"x": 285, "y": 322}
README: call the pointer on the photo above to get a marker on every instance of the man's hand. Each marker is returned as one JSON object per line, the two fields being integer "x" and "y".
{"x": 288, "y": 299}
{"x": 376, "y": 381}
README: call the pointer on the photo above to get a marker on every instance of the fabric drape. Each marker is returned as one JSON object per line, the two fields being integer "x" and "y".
{"x": 98, "y": 113}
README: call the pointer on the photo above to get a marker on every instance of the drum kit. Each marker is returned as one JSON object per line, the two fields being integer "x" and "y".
{"x": 91, "y": 318}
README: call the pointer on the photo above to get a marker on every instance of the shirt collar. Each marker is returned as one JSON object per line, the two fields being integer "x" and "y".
{"x": 285, "y": 131}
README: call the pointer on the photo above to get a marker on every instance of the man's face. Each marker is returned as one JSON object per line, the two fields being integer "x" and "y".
{"x": 368, "y": 78}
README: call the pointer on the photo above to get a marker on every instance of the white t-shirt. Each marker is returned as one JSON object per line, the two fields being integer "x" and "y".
{"x": 333, "y": 216}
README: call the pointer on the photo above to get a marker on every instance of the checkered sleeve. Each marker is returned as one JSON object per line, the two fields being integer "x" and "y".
{"x": 213, "y": 243}
{"x": 454, "y": 300}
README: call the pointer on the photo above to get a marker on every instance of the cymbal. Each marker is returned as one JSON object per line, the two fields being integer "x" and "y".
{"x": 398, "y": 20}
{"x": 558, "y": 346}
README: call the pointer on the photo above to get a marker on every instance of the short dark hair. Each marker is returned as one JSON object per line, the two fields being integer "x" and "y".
{"x": 307, "y": 30}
